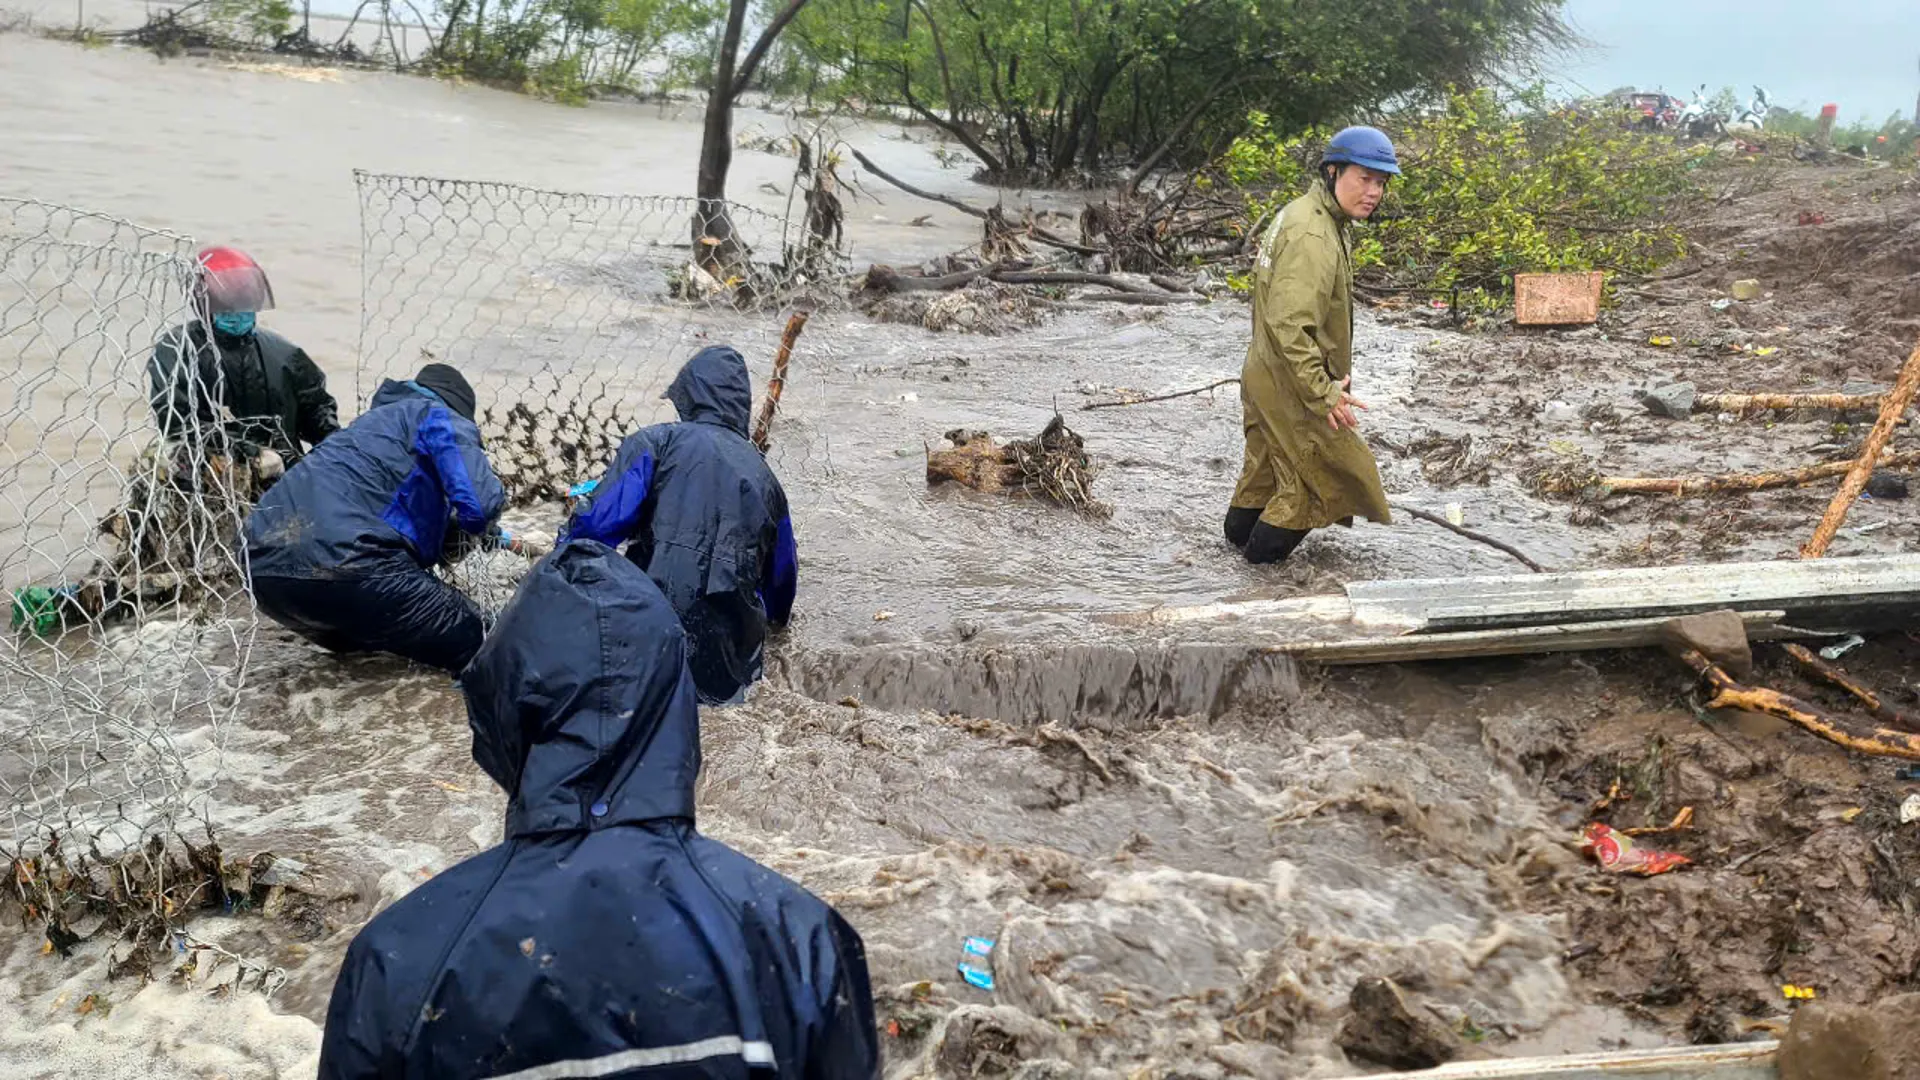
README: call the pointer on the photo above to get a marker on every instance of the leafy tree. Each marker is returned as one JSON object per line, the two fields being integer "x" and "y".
{"x": 1493, "y": 188}
{"x": 1051, "y": 88}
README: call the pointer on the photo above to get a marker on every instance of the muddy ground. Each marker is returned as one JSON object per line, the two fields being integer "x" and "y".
{"x": 1189, "y": 880}
{"x": 1840, "y": 312}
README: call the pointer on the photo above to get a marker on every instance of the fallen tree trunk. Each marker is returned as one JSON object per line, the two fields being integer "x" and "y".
{"x": 1812, "y": 664}
{"x": 1073, "y": 277}
{"x": 1898, "y": 399}
{"x": 1741, "y": 404}
{"x": 1150, "y": 299}
{"x": 1740, "y": 482}
{"x": 1730, "y": 694}
{"x": 886, "y": 279}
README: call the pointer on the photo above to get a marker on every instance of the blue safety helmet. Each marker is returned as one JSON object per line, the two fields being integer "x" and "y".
{"x": 1360, "y": 145}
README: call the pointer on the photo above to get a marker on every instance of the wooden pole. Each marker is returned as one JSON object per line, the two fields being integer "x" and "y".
{"x": 1735, "y": 482}
{"x": 1891, "y": 413}
{"x": 764, "y": 425}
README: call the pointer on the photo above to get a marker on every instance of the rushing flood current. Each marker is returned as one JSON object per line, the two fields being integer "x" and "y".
{"x": 1187, "y": 852}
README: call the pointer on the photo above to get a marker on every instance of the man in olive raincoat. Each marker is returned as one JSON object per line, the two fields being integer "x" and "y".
{"x": 1306, "y": 465}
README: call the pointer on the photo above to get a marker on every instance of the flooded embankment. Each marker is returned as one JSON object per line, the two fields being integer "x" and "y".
{"x": 1187, "y": 849}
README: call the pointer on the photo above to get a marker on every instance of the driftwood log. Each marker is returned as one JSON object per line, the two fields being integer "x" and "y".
{"x": 1053, "y": 466}
{"x": 1742, "y": 404}
{"x": 1738, "y": 482}
{"x": 881, "y": 280}
{"x": 1813, "y": 665}
{"x": 1730, "y": 694}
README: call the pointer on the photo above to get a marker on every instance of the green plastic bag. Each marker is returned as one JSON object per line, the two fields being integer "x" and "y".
{"x": 37, "y": 608}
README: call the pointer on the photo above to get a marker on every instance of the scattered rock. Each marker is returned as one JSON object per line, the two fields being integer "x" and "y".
{"x": 1860, "y": 1042}
{"x": 1672, "y": 400}
{"x": 1746, "y": 289}
{"x": 1886, "y": 485}
{"x": 1719, "y": 636}
{"x": 1384, "y": 1029}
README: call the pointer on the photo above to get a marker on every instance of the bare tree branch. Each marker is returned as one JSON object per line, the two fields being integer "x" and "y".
{"x": 744, "y": 75}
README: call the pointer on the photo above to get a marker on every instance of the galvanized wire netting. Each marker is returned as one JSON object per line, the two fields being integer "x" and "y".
{"x": 129, "y": 627}
{"x": 570, "y": 313}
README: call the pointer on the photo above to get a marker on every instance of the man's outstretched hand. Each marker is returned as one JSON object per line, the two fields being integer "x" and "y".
{"x": 1342, "y": 415}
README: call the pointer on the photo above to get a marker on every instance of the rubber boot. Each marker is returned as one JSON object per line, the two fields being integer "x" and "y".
{"x": 1269, "y": 544}
{"x": 1240, "y": 524}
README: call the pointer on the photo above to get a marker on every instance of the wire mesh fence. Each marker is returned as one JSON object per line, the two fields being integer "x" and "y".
{"x": 126, "y": 594}
{"x": 570, "y": 313}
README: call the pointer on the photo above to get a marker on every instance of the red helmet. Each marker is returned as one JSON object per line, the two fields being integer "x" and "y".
{"x": 231, "y": 281}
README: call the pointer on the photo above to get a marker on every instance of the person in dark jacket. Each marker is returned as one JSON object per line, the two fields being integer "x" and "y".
{"x": 701, "y": 512}
{"x": 341, "y": 550}
{"x": 229, "y": 386}
{"x": 605, "y": 936}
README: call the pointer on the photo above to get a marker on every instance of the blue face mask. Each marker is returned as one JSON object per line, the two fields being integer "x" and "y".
{"x": 234, "y": 323}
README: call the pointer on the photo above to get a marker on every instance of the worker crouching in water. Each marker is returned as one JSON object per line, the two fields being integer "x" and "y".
{"x": 1306, "y": 465}
{"x": 701, "y": 512}
{"x": 605, "y": 936}
{"x": 225, "y": 386}
{"x": 342, "y": 549}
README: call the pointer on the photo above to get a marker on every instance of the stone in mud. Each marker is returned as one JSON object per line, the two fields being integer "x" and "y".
{"x": 1886, "y": 485}
{"x": 1671, "y": 400}
{"x": 994, "y": 1041}
{"x": 1859, "y": 1042}
{"x": 1746, "y": 289}
{"x": 1385, "y": 1030}
{"x": 1719, "y": 636}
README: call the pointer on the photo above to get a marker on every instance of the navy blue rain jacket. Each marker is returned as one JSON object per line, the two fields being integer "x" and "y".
{"x": 702, "y": 513}
{"x": 383, "y": 490}
{"x": 605, "y": 937}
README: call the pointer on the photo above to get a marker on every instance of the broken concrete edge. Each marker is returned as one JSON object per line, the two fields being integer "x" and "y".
{"x": 1743, "y": 1061}
{"x": 1855, "y": 593}
{"x": 1567, "y": 637}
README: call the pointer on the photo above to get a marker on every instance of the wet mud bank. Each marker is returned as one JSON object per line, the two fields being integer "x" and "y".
{"x": 1110, "y": 685}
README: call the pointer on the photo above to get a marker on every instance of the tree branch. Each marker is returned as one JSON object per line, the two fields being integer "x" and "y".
{"x": 744, "y": 74}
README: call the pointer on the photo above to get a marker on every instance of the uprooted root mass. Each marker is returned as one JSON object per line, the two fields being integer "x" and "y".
{"x": 1053, "y": 466}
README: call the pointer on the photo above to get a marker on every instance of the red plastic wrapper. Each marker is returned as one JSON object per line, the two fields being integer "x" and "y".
{"x": 1618, "y": 855}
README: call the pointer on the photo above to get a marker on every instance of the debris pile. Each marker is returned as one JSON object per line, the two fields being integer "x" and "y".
{"x": 1053, "y": 465}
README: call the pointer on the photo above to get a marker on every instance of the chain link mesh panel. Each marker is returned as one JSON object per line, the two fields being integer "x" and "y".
{"x": 130, "y": 629}
{"x": 570, "y": 313}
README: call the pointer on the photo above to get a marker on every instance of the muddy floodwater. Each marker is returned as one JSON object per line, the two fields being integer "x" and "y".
{"x": 1188, "y": 850}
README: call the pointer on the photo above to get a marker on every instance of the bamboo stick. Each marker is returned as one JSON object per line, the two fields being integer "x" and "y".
{"x": 763, "y": 426}
{"x": 1891, "y": 413}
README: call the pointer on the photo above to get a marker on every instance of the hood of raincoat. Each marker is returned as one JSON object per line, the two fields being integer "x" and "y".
{"x": 580, "y": 702}
{"x": 713, "y": 388}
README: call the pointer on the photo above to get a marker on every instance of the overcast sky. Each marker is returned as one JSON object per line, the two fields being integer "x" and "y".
{"x": 1863, "y": 55}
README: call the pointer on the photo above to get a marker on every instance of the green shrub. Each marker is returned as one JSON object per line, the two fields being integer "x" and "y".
{"x": 1490, "y": 189}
